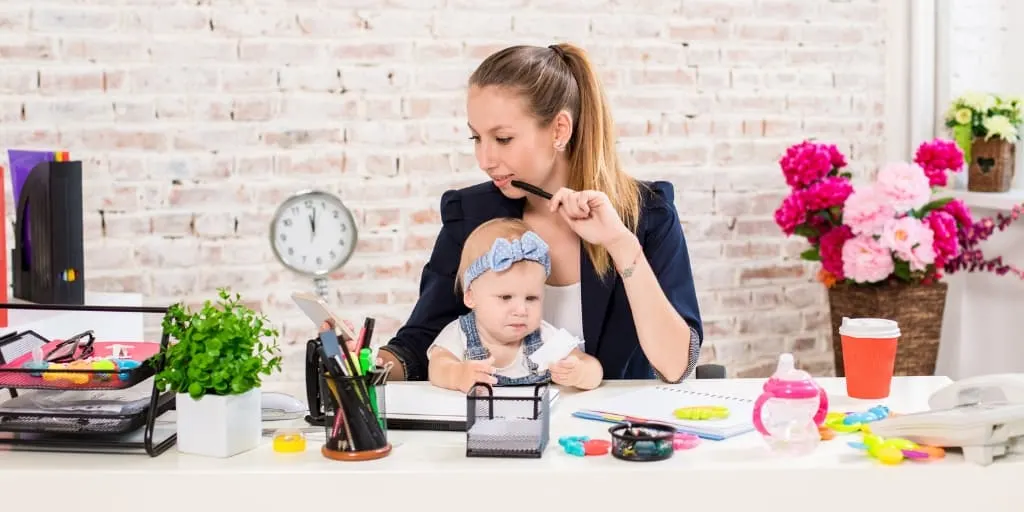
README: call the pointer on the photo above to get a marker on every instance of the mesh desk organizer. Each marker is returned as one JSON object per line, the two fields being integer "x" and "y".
{"x": 79, "y": 407}
{"x": 507, "y": 421}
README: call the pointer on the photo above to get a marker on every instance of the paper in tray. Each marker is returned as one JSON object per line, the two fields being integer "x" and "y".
{"x": 14, "y": 375}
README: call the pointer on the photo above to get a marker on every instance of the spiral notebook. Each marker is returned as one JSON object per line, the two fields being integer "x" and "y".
{"x": 657, "y": 403}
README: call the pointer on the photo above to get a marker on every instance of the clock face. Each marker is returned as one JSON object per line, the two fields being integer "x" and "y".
{"x": 313, "y": 233}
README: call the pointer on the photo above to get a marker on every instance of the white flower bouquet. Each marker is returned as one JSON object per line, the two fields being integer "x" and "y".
{"x": 985, "y": 116}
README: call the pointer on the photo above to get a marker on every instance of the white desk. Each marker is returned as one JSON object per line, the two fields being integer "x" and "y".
{"x": 430, "y": 469}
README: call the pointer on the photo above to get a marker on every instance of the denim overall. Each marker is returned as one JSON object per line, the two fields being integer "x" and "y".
{"x": 475, "y": 351}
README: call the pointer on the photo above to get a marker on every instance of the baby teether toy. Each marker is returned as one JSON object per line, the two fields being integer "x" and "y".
{"x": 701, "y": 412}
{"x": 850, "y": 422}
{"x": 683, "y": 441}
{"x": 574, "y": 445}
{"x": 596, "y": 447}
{"x": 895, "y": 450}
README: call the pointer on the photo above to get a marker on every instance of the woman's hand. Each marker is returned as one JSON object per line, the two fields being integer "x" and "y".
{"x": 591, "y": 215}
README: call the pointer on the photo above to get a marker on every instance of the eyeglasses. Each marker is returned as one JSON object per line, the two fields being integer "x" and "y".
{"x": 68, "y": 350}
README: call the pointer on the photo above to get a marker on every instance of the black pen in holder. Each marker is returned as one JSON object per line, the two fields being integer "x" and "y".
{"x": 354, "y": 408}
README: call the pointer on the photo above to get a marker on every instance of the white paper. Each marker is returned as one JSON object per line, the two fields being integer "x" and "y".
{"x": 505, "y": 434}
{"x": 555, "y": 348}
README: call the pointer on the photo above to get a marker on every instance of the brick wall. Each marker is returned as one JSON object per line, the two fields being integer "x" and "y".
{"x": 196, "y": 121}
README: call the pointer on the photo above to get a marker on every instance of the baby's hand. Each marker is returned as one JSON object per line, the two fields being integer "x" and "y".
{"x": 472, "y": 372}
{"x": 567, "y": 372}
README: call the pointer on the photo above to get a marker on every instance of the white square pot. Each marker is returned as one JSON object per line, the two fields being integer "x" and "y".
{"x": 219, "y": 426}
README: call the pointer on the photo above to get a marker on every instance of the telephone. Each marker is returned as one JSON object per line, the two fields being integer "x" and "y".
{"x": 983, "y": 416}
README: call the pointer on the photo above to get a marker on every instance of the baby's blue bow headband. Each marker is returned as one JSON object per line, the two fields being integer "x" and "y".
{"x": 505, "y": 252}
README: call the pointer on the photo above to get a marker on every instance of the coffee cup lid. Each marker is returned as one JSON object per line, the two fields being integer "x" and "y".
{"x": 869, "y": 328}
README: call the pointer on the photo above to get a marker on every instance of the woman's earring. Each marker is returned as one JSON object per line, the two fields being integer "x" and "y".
{"x": 559, "y": 145}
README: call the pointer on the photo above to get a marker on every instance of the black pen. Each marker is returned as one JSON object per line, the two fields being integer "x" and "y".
{"x": 531, "y": 189}
{"x": 368, "y": 331}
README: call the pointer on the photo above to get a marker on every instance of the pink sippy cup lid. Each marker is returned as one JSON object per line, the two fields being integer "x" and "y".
{"x": 790, "y": 382}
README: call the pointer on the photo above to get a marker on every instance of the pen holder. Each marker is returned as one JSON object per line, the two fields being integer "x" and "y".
{"x": 354, "y": 408}
{"x": 507, "y": 421}
{"x": 642, "y": 442}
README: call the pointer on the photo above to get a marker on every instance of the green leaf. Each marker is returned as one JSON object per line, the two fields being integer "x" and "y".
{"x": 902, "y": 270}
{"x": 933, "y": 205}
{"x": 805, "y": 231}
{"x": 811, "y": 254}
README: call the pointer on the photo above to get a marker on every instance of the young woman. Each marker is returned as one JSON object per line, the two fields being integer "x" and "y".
{"x": 620, "y": 273}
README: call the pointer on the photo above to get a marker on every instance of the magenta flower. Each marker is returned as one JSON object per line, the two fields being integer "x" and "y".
{"x": 808, "y": 162}
{"x": 945, "y": 243}
{"x": 792, "y": 212}
{"x": 959, "y": 210}
{"x": 832, "y": 250}
{"x": 829, "y": 192}
{"x": 820, "y": 225}
{"x": 938, "y": 157}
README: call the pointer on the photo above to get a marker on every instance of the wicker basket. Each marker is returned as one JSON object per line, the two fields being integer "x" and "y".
{"x": 992, "y": 163}
{"x": 918, "y": 310}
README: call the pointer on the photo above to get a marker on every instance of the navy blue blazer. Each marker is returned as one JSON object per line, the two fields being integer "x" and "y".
{"x": 608, "y": 329}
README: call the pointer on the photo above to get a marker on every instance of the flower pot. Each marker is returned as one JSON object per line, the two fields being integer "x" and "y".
{"x": 991, "y": 166}
{"x": 917, "y": 309}
{"x": 219, "y": 426}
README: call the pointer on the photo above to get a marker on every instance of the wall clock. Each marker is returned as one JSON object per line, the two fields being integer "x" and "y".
{"x": 313, "y": 234}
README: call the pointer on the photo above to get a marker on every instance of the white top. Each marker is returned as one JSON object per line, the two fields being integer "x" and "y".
{"x": 563, "y": 308}
{"x": 454, "y": 340}
{"x": 834, "y": 473}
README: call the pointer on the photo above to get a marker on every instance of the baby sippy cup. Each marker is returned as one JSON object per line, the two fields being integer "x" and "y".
{"x": 791, "y": 409}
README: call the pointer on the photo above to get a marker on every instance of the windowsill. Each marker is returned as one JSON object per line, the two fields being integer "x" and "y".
{"x": 1002, "y": 201}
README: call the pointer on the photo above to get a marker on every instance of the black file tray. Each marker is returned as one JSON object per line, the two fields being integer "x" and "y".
{"x": 94, "y": 431}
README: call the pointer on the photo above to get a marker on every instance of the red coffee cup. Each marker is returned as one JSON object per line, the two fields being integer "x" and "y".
{"x": 869, "y": 356}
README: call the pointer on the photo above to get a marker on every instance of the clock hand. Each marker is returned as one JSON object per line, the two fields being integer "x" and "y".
{"x": 312, "y": 226}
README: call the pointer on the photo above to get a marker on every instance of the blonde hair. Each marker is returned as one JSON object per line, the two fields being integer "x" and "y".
{"x": 561, "y": 77}
{"x": 482, "y": 238}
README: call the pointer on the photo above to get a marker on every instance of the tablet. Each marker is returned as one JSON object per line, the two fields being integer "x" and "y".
{"x": 317, "y": 310}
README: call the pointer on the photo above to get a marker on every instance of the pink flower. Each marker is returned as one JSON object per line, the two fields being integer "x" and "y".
{"x": 938, "y": 157}
{"x": 808, "y": 162}
{"x": 865, "y": 260}
{"x": 829, "y": 192}
{"x": 960, "y": 212}
{"x": 866, "y": 211}
{"x": 792, "y": 212}
{"x": 831, "y": 250}
{"x": 904, "y": 185}
{"x": 946, "y": 244}
{"x": 911, "y": 240}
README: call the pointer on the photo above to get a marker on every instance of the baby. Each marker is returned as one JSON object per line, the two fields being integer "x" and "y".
{"x": 502, "y": 273}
